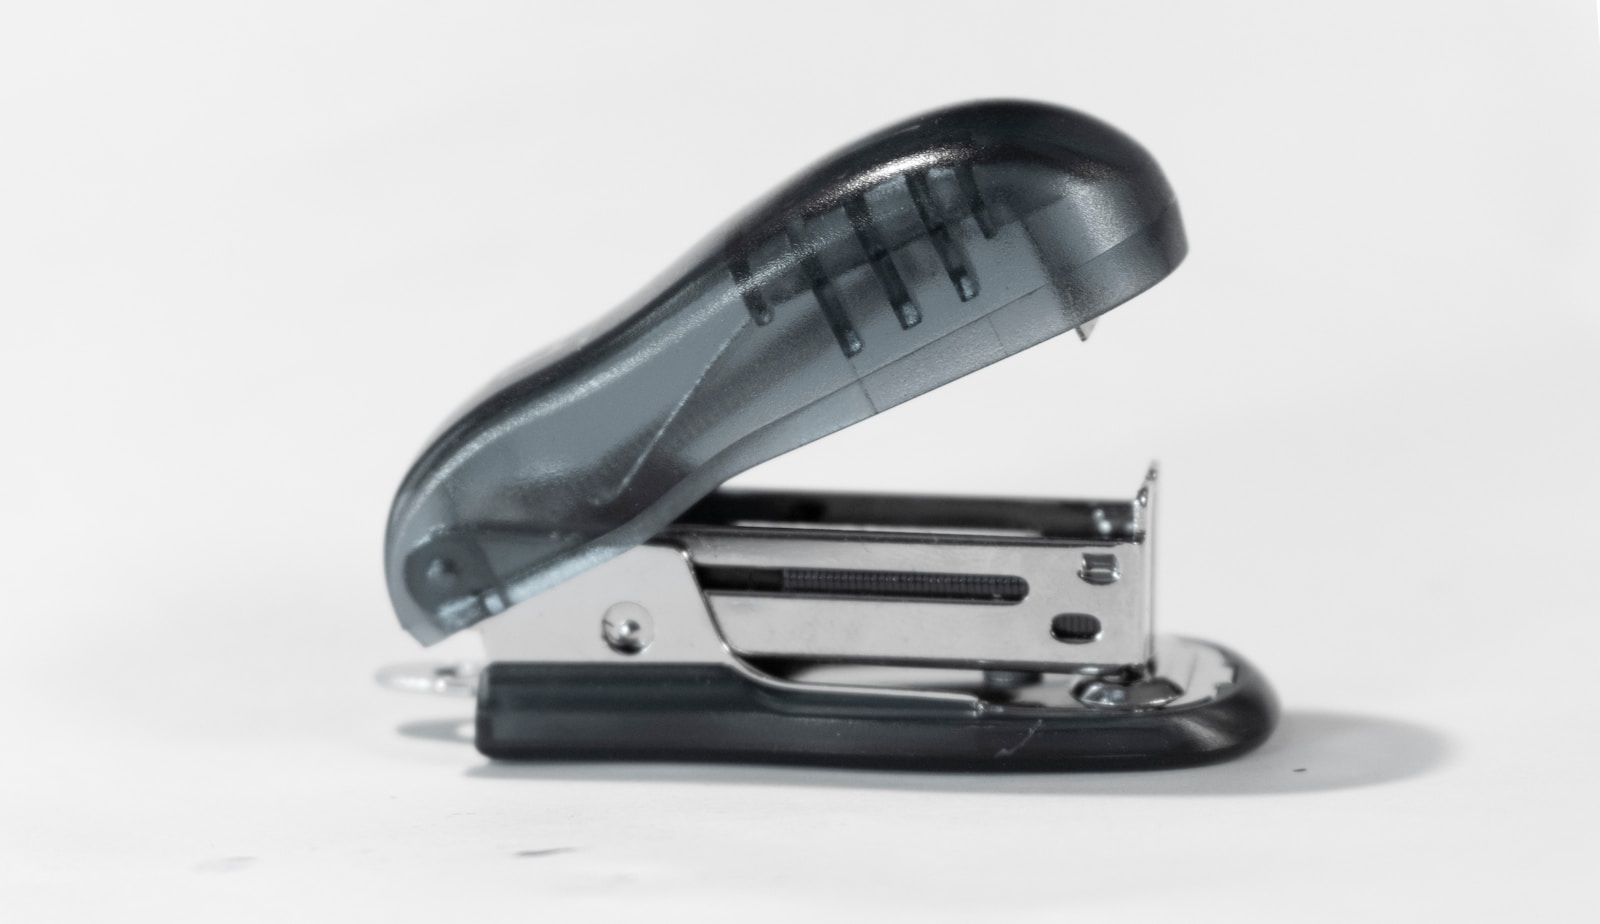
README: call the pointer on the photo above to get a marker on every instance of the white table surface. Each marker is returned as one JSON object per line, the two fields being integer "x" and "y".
{"x": 250, "y": 255}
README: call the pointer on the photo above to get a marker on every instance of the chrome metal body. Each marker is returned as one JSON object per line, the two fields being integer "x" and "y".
{"x": 986, "y": 602}
{"x": 909, "y": 589}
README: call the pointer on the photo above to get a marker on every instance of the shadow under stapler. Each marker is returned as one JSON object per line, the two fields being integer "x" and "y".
{"x": 1309, "y": 752}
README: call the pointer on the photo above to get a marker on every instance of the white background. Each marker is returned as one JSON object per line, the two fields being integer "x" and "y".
{"x": 252, "y": 254}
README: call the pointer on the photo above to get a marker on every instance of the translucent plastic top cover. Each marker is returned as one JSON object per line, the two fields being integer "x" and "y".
{"x": 913, "y": 257}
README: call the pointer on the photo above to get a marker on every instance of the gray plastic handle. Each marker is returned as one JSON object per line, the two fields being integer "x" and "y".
{"x": 909, "y": 259}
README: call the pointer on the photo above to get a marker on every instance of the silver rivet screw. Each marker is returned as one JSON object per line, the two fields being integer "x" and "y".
{"x": 1099, "y": 568}
{"x": 628, "y": 628}
{"x": 1151, "y": 693}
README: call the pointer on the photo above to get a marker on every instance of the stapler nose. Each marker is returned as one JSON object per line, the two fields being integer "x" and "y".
{"x": 900, "y": 263}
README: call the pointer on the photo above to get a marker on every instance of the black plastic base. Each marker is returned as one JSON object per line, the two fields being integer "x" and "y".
{"x": 551, "y": 711}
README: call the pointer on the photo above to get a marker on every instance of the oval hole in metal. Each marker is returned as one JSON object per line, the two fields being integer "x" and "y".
{"x": 1075, "y": 628}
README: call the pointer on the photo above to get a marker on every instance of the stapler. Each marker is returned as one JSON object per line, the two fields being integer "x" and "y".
{"x": 633, "y": 609}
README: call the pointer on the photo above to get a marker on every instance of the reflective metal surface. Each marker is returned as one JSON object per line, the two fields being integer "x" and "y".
{"x": 459, "y": 679}
{"x": 1059, "y": 620}
{"x": 558, "y": 626}
{"x": 565, "y": 622}
{"x": 1185, "y": 672}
